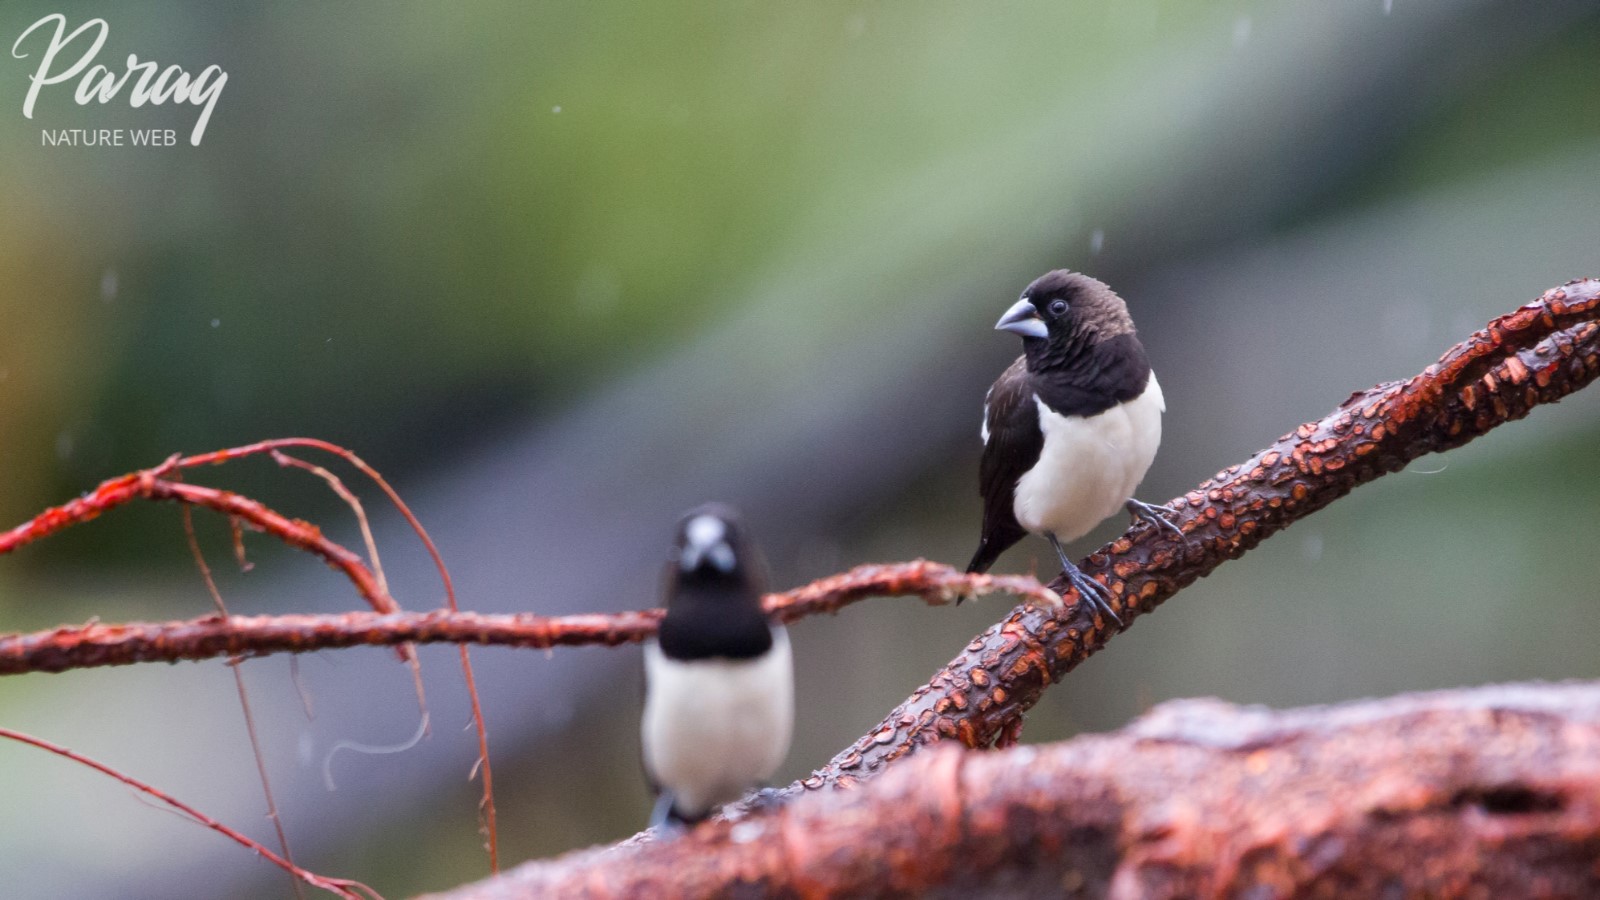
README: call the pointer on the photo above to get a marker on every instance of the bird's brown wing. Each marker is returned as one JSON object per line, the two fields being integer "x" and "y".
{"x": 1014, "y": 442}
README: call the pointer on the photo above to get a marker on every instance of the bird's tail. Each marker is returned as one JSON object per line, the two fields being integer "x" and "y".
{"x": 983, "y": 559}
{"x": 996, "y": 539}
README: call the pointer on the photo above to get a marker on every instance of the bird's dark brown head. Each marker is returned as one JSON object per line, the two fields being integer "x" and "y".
{"x": 713, "y": 555}
{"x": 1064, "y": 314}
{"x": 715, "y": 578}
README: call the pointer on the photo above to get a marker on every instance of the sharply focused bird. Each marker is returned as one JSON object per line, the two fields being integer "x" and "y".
{"x": 1071, "y": 427}
{"x": 719, "y": 681}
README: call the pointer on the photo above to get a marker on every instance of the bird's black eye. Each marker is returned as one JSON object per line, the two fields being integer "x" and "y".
{"x": 1057, "y": 307}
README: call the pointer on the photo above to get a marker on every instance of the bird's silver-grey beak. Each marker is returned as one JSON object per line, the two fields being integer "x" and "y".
{"x": 1023, "y": 319}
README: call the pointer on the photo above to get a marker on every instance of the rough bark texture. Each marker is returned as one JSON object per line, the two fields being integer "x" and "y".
{"x": 1538, "y": 354}
{"x": 1492, "y": 792}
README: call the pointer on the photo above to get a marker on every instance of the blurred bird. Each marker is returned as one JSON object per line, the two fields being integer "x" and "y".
{"x": 1071, "y": 427}
{"x": 719, "y": 681}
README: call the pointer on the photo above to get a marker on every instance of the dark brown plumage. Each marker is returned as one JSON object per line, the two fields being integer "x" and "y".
{"x": 1083, "y": 387}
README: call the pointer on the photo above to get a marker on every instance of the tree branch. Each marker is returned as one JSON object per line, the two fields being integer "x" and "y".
{"x": 86, "y": 646}
{"x": 160, "y": 483}
{"x": 1537, "y": 354}
{"x": 1490, "y": 791}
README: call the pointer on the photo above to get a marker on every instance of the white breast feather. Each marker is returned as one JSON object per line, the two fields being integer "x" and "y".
{"x": 1089, "y": 466}
{"x": 714, "y": 728}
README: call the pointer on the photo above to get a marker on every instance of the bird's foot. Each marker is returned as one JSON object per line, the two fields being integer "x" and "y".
{"x": 662, "y": 820}
{"x": 1152, "y": 512}
{"x": 1097, "y": 594}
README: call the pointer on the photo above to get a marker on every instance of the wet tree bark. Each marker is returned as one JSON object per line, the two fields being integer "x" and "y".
{"x": 1491, "y": 792}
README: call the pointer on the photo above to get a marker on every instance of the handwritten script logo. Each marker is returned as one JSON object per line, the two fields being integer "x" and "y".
{"x": 102, "y": 85}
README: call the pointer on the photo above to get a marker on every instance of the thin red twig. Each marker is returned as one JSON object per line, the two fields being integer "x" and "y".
{"x": 487, "y": 806}
{"x": 343, "y": 887}
{"x": 337, "y": 485}
{"x": 99, "y": 644}
{"x": 244, "y": 697}
{"x": 154, "y": 484}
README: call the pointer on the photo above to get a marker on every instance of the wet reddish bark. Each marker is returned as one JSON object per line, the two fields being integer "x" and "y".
{"x": 164, "y": 482}
{"x": 95, "y": 644}
{"x": 1491, "y": 792}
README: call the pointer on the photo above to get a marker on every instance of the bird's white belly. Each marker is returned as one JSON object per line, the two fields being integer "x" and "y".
{"x": 714, "y": 728}
{"x": 1089, "y": 466}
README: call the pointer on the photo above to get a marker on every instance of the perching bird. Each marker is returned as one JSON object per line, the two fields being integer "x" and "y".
{"x": 1071, "y": 427}
{"x": 719, "y": 681}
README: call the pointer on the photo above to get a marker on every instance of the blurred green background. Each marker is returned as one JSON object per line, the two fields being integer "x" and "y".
{"x": 565, "y": 270}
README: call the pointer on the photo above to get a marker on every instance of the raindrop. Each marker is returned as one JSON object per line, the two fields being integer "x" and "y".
{"x": 1097, "y": 240}
{"x": 64, "y": 446}
{"x": 1388, "y": 6}
{"x": 1312, "y": 548}
{"x": 108, "y": 285}
{"x": 1444, "y": 463}
{"x": 216, "y": 323}
{"x": 556, "y": 110}
{"x": 1241, "y": 31}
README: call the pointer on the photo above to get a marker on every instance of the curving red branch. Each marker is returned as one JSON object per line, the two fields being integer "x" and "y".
{"x": 95, "y": 644}
{"x": 1491, "y": 792}
{"x": 157, "y": 483}
{"x": 164, "y": 482}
